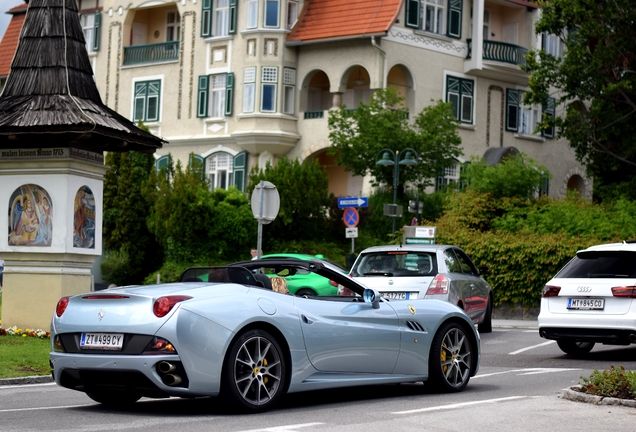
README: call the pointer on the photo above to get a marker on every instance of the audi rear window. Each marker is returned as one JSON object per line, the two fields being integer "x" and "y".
{"x": 600, "y": 264}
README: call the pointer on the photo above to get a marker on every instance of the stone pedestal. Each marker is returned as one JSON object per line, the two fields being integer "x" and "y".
{"x": 52, "y": 204}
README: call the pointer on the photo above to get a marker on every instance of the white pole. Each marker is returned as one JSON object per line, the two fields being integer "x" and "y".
{"x": 259, "y": 245}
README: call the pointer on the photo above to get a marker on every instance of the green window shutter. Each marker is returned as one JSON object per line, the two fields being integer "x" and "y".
{"x": 544, "y": 36}
{"x": 98, "y": 23}
{"x": 412, "y": 18}
{"x": 240, "y": 170}
{"x": 453, "y": 94}
{"x": 548, "y": 110}
{"x": 455, "y": 18}
{"x": 232, "y": 18}
{"x": 162, "y": 162}
{"x": 206, "y": 18}
{"x": 229, "y": 93}
{"x": 512, "y": 110}
{"x": 202, "y": 98}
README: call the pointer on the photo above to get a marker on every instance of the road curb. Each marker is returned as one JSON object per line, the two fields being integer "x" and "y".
{"x": 36, "y": 379}
{"x": 574, "y": 394}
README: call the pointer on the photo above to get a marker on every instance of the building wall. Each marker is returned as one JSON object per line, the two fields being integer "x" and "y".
{"x": 421, "y": 60}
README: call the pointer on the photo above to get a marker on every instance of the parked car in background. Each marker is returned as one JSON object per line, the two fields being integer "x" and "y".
{"x": 443, "y": 272}
{"x": 591, "y": 300}
{"x": 250, "y": 345}
{"x": 305, "y": 283}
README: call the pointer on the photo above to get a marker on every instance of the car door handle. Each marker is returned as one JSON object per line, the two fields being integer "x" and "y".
{"x": 306, "y": 320}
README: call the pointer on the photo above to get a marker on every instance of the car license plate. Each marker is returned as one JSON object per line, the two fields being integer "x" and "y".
{"x": 395, "y": 295}
{"x": 586, "y": 303}
{"x": 109, "y": 341}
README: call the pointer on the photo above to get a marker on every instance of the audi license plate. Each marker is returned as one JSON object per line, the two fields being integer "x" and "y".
{"x": 395, "y": 295}
{"x": 109, "y": 341}
{"x": 586, "y": 303}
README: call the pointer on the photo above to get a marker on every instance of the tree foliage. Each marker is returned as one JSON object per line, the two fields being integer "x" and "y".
{"x": 524, "y": 242}
{"x": 195, "y": 225}
{"x": 304, "y": 199}
{"x": 357, "y": 136}
{"x": 595, "y": 83}
{"x": 125, "y": 232}
{"x": 515, "y": 177}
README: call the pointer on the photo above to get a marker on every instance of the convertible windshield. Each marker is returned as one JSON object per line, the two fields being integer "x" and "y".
{"x": 398, "y": 264}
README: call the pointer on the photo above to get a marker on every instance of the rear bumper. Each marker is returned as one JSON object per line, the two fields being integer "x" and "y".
{"x": 608, "y": 336}
{"x": 120, "y": 373}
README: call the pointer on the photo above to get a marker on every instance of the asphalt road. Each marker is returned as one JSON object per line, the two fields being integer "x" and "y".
{"x": 518, "y": 388}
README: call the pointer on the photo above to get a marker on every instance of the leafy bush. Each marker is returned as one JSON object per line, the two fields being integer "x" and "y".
{"x": 526, "y": 242}
{"x": 514, "y": 177}
{"x": 615, "y": 382}
{"x": 116, "y": 267}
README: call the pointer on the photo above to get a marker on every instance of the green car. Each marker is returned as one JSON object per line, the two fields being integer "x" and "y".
{"x": 305, "y": 283}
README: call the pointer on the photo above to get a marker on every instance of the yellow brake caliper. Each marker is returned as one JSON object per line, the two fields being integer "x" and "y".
{"x": 443, "y": 358}
{"x": 265, "y": 379}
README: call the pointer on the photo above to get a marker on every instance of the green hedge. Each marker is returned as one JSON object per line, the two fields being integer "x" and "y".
{"x": 525, "y": 242}
{"x": 520, "y": 264}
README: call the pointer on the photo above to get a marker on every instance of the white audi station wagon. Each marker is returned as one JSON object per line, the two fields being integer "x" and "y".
{"x": 591, "y": 300}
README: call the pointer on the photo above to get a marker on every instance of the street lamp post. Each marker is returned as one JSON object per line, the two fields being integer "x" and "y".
{"x": 387, "y": 157}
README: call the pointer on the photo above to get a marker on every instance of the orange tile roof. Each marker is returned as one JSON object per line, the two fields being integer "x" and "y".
{"x": 10, "y": 39}
{"x": 337, "y": 19}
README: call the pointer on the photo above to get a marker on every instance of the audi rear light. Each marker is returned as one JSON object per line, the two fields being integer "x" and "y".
{"x": 61, "y": 306}
{"x": 439, "y": 285}
{"x": 624, "y": 291}
{"x": 163, "y": 305}
{"x": 550, "y": 291}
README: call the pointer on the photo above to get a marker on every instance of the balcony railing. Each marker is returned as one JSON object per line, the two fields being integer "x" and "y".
{"x": 501, "y": 51}
{"x": 314, "y": 114}
{"x": 151, "y": 53}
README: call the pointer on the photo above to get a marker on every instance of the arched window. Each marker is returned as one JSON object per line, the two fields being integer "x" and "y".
{"x": 218, "y": 169}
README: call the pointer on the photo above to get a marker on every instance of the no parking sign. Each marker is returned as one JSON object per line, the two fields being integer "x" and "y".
{"x": 351, "y": 217}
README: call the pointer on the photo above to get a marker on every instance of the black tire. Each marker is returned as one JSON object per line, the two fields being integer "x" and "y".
{"x": 575, "y": 348}
{"x": 451, "y": 374}
{"x": 114, "y": 399}
{"x": 305, "y": 292}
{"x": 254, "y": 373}
{"x": 486, "y": 325}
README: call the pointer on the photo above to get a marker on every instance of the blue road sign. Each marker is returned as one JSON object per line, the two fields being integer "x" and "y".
{"x": 353, "y": 202}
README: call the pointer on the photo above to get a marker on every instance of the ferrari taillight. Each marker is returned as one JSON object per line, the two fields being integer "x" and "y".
{"x": 61, "y": 306}
{"x": 439, "y": 285}
{"x": 333, "y": 283}
{"x": 159, "y": 346}
{"x": 550, "y": 291}
{"x": 624, "y": 291}
{"x": 163, "y": 305}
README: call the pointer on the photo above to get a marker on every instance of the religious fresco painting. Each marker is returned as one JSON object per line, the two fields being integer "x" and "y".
{"x": 30, "y": 216}
{"x": 84, "y": 219}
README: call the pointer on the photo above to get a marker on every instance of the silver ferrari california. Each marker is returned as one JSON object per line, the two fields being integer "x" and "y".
{"x": 234, "y": 337}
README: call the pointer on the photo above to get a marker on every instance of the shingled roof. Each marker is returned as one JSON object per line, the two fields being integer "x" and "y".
{"x": 325, "y": 20}
{"x": 50, "y": 90}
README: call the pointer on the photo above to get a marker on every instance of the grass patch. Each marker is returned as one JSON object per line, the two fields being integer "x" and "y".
{"x": 24, "y": 356}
